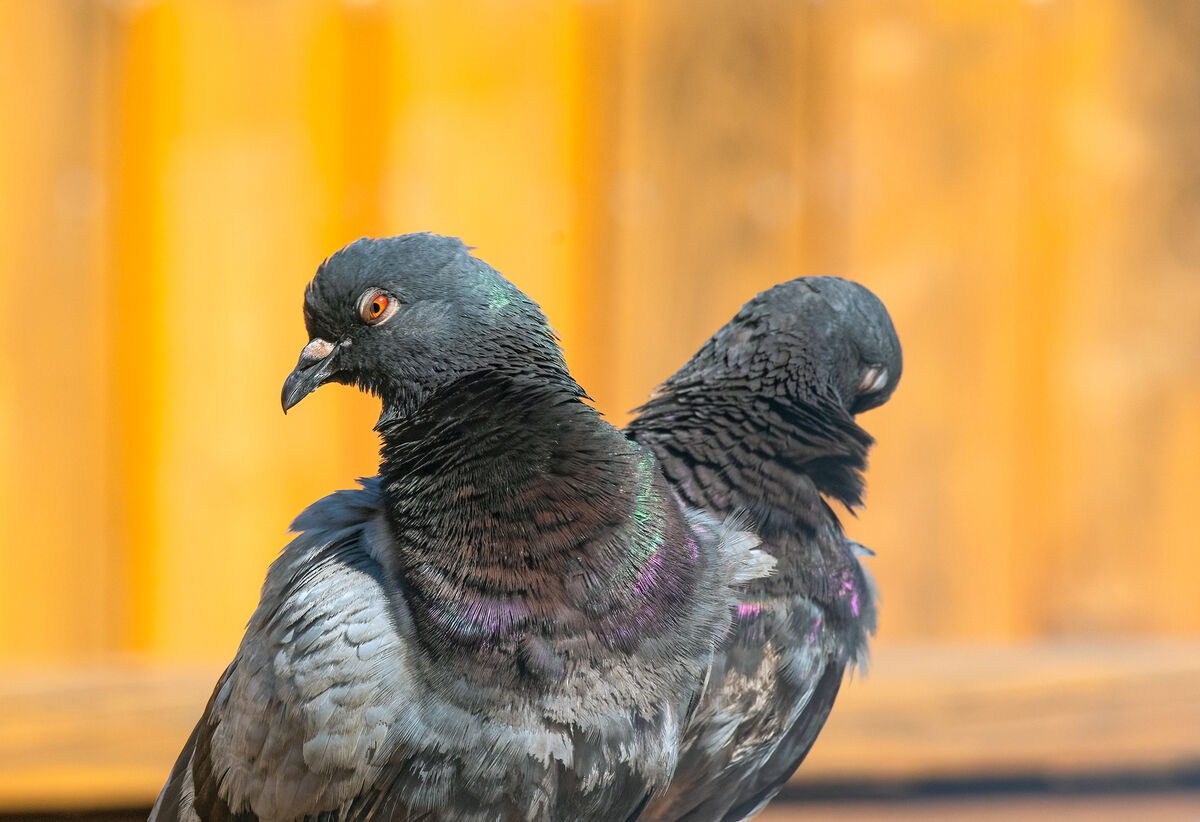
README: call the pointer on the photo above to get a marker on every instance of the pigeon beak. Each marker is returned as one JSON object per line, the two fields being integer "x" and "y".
{"x": 310, "y": 373}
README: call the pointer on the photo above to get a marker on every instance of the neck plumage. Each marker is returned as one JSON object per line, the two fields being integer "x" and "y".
{"x": 729, "y": 446}
{"x": 521, "y": 518}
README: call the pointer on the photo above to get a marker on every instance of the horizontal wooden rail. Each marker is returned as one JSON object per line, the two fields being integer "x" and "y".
{"x": 106, "y": 736}
{"x": 992, "y": 712}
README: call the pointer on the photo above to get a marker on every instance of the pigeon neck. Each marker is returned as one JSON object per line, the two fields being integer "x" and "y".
{"x": 728, "y": 448}
{"x": 519, "y": 515}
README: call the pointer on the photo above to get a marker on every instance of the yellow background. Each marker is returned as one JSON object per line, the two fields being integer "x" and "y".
{"x": 1018, "y": 181}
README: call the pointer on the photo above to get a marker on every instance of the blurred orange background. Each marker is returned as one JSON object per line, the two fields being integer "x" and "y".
{"x": 1018, "y": 181}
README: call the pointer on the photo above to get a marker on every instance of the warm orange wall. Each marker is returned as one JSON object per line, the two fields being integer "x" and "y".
{"x": 1018, "y": 181}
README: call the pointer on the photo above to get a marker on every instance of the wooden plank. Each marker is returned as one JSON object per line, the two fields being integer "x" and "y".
{"x": 107, "y": 736}
{"x": 942, "y": 115}
{"x": 707, "y": 194}
{"x": 1020, "y": 177}
{"x": 483, "y": 138}
{"x": 79, "y": 738}
{"x": 1165, "y": 806}
{"x": 59, "y": 584}
{"x": 252, "y": 141}
{"x": 1132, "y": 368}
{"x": 995, "y": 711}
{"x": 223, "y": 219}
{"x": 1016, "y": 180}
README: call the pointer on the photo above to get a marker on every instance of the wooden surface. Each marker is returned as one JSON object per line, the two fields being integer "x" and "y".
{"x": 987, "y": 712}
{"x": 1167, "y": 807}
{"x": 1016, "y": 180}
{"x": 107, "y": 736}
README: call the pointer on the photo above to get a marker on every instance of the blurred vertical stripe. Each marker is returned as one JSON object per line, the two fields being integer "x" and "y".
{"x": 1018, "y": 181}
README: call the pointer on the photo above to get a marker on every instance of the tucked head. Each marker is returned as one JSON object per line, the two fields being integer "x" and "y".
{"x": 401, "y": 316}
{"x": 818, "y": 336}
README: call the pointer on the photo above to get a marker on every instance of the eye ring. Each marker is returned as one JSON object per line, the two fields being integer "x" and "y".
{"x": 376, "y": 305}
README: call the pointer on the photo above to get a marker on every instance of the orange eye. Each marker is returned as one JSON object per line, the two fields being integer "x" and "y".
{"x": 375, "y": 306}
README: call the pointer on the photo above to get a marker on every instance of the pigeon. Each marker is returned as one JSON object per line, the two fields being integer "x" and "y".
{"x": 512, "y": 621}
{"x": 761, "y": 420}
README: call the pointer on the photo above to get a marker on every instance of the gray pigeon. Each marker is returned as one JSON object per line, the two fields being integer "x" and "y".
{"x": 511, "y": 622}
{"x": 761, "y": 420}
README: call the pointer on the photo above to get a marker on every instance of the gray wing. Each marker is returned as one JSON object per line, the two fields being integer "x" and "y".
{"x": 770, "y": 683}
{"x": 301, "y": 717}
{"x": 758, "y": 788}
{"x": 836, "y": 640}
{"x": 780, "y": 674}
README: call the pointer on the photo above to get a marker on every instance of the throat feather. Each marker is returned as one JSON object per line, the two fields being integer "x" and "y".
{"x": 519, "y": 514}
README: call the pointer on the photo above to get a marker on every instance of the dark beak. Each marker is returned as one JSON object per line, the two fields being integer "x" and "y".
{"x": 311, "y": 372}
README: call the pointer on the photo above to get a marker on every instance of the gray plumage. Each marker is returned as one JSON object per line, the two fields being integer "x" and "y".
{"x": 761, "y": 420}
{"x": 511, "y": 622}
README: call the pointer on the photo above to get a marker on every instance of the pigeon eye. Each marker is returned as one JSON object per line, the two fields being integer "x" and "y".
{"x": 873, "y": 379}
{"x": 375, "y": 306}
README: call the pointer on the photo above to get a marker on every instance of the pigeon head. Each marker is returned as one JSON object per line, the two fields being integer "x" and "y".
{"x": 402, "y": 316}
{"x": 850, "y": 322}
{"x": 824, "y": 336}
